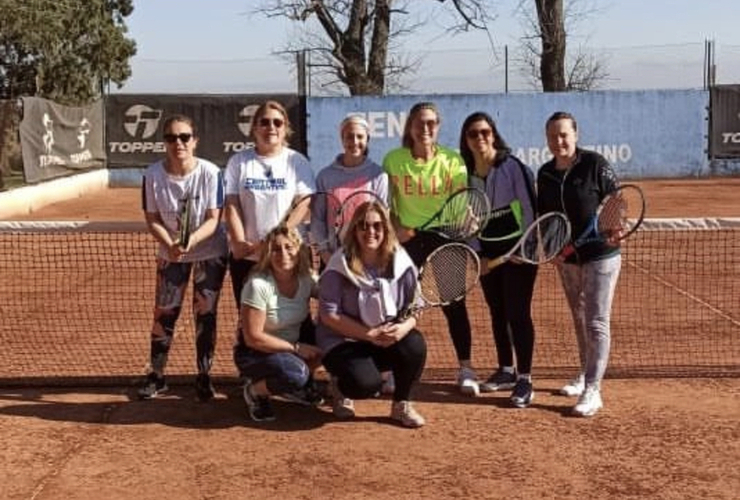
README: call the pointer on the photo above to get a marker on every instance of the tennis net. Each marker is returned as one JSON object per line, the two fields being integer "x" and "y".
{"x": 77, "y": 298}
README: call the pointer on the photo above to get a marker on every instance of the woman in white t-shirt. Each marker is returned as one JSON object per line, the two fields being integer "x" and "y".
{"x": 261, "y": 184}
{"x": 169, "y": 185}
{"x": 274, "y": 305}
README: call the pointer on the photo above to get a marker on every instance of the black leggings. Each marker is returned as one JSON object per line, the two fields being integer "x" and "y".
{"x": 458, "y": 323}
{"x": 508, "y": 291}
{"x": 358, "y": 366}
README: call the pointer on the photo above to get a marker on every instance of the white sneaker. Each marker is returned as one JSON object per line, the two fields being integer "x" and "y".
{"x": 403, "y": 412}
{"x": 467, "y": 381}
{"x": 589, "y": 403}
{"x": 574, "y": 387}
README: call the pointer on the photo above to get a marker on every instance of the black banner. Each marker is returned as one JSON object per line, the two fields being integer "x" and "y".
{"x": 724, "y": 126}
{"x": 134, "y": 124}
{"x": 60, "y": 140}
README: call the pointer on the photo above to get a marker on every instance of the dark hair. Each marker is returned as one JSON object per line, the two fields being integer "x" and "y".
{"x": 182, "y": 119}
{"x": 502, "y": 148}
{"x": 561, "y": 115}
{"x": 406, "y": 140}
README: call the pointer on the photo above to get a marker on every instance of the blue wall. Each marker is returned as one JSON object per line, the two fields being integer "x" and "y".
{"x": 644, "y": 134}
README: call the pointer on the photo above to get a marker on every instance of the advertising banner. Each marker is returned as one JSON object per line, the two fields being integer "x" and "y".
{"x": 134, "y": 124}
{"x": 59, "y": 140}
{"x": 724, "y": 126}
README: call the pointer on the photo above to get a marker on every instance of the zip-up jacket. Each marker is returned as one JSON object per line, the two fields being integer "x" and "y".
{"x": 577, "y": 193}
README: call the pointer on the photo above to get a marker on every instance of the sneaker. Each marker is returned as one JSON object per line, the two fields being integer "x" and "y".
{"x": 574, "y": 387}
{"x": 154, "y": 387}
{"x": 306, "y": 396}
{"x": 499, "y": 381}
{"x": 389, "y": 384}
{"x": 467, "y": 381}
{"x": 342, "y": 408}
{"x": 259, "y": 407}
{"x": 203, "y": 387}
{"x": 523, "y": 393}
{"x": 403, "y": 412}
{"x": 589, "y": 403}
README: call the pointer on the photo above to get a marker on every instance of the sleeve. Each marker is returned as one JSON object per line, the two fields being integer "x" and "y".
{"x": 330, "y": 292}
{"x": 255, "y": 293}
{"x": 231, "y": 175}
{"x": 319, "y": 231}
{"x": 304, "y": 178}
{"x": 381, "y": 189}
{"x": 607, "y": 179}
{"x": 458, "y": 171}
{"x": 524, "y": 191}
{"x": 407, "y": 285}
{"x": 214, "y": 189}
{"x": 149, "y": 202}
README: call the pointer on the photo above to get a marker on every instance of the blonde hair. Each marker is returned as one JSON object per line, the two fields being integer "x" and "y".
{"x": 304, "y": 253}
{"x": 352, "y": 247}
{"x": 406, "y": 140}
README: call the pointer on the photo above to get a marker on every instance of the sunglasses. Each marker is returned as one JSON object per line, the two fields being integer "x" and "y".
{"x": 172, "y": 138}
{"x": 481, "y": 132}
{"x": 275, "y": 122}
{"x": 375, "y": 226}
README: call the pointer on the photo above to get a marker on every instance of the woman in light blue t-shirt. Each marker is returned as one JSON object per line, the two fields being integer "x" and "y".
{"x": 274, "y": 305}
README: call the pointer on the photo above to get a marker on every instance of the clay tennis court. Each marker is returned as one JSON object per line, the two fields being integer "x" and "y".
{"x": 663, "y": 438}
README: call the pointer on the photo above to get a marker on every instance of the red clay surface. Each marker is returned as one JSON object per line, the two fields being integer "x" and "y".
{"x": 655, "y": 438}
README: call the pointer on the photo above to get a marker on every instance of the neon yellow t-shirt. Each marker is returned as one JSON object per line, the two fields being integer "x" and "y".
{"x": 418, "y": 190}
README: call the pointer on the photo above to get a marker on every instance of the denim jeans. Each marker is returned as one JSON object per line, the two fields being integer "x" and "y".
{"x": 589, "y": 289}
{"x": 283, "y": 372}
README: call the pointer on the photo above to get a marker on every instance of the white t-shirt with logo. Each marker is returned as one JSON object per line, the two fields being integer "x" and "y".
{"x": 166, "y": 194}
{"x": 266, "y": 187}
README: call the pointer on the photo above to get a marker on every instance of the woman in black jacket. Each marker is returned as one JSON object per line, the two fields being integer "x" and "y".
{"x": 574, "y": 182}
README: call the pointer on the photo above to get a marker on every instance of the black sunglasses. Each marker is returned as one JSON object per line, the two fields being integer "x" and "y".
{"x": 172, "y": 138}
{"x": 275, "y": 122}
{"x": 474, "y": 134}
{"x": 375, "y": 226}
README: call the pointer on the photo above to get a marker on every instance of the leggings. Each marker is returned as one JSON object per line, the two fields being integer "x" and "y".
{"x": 172, "y": 280}
{"x": 508, "y": 291}
{"x": 458, "y": 323}
{"x": 358, "y": 366}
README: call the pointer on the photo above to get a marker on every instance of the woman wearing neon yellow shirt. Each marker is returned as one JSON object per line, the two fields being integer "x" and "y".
{"x": 423, "y": 175}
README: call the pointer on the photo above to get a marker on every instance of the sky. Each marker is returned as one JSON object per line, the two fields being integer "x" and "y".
{"x": 221, "y": 47}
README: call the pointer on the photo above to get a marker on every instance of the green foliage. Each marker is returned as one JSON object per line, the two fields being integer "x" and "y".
{"x": 64, "y": 50}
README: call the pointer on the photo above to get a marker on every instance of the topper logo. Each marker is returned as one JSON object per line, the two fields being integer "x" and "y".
{"x": 141, "y": 121}
{"x": 244, "y": 122}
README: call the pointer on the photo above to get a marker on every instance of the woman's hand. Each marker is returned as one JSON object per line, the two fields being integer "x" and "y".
{"x": 309, "y": 353}
{"x": 241, "y": 249}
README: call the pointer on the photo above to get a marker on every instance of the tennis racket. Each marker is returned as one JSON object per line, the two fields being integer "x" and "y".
{"x": 347, "y": 209}
{"x": 186, "y": 211}
{"x": 619, "y": 215}
{"x": 322, "y": 205}
{"x": 462, "y": 216}
{"x": 446, "y": 276}
{"x": 542, "y": 241}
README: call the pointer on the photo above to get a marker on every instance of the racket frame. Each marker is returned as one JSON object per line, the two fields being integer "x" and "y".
{"x": 517, "y": 248}
{"x": 479, "y": 224}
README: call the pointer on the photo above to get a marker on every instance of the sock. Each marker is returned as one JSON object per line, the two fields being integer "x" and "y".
{"x": 507, "y": 369}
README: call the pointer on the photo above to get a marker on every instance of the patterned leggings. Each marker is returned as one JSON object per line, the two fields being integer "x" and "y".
{"x": 172, "y": 280}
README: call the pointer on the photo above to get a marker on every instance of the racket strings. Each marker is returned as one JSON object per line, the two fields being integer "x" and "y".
{"x": 449, "y": 273}
{"x": 465, "y": 214}
{"x": 546, "y": 238}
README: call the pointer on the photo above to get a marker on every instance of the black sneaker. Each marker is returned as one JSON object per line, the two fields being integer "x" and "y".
{"x": 203, "y": 387}
{"x": 259, "y": 407}
{"x": 154, "y": 387}
{"x": 499, "y": 381}
{"x": 523, "y": 393}
{"x": 306, "y": 396}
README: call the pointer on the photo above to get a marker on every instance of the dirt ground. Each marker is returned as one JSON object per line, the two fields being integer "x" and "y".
{"x": 655, "y": 439}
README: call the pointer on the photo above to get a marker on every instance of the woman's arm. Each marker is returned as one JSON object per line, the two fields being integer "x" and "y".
{"x": 253, "y": 332}
{"x": 156, "y": 227}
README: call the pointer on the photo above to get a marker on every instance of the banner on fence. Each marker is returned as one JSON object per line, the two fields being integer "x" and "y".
{"x": 724, "y": 127}
{"x": 134, "y": 124}
{"x": 59, "y": 140}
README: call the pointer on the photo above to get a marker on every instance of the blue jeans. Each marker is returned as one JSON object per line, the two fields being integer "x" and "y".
{"x": 283, "y": 372}
{"x": 589, "y": 289}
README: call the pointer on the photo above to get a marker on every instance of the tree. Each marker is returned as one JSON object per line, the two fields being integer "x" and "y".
{"x": 63, "y": 50}
{"x": 357, "y": 43}
{"x": 544, "y": 47}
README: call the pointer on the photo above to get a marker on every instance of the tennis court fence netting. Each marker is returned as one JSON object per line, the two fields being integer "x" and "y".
{"x": 77, "y": 298}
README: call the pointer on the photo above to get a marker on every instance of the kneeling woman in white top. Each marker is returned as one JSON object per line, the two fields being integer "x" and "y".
{"x": 364, "y": 287}
{"x": 275, "y": 302}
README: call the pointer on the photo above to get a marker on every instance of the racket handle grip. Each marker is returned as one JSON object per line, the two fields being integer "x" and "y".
{"x": 497, "y": 261}
{"x": 567, "y": 251}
